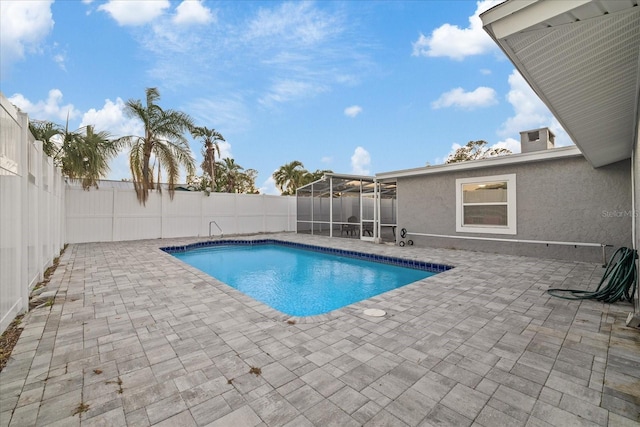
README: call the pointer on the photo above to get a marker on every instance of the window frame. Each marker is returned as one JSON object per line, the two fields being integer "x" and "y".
{"x": 510, "y": 228}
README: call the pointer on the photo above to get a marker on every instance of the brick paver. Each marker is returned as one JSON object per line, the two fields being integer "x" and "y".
{"x": 136, "y": 337}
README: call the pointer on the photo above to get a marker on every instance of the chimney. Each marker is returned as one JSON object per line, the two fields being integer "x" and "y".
{"x": 536, "y": 140}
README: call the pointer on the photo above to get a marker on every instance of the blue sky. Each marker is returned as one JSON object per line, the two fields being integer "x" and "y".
{"x": 357, "y": 87}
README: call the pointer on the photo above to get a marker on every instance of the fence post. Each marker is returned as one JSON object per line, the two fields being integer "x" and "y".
{"x": 113, "y": 214}
{"x": 23, "y": 234}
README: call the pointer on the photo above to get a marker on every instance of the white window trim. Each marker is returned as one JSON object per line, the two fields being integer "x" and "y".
{"x": 510, "y": 228}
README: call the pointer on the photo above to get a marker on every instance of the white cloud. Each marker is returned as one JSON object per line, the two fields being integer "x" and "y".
{"x": 269, "y": 187}
{"x": 530, "y": 112}
{"x": 290, "y": 90}
{"x": 455, "y": 42}
{"x": 112, "y": 118}
{"x": 299, "y": 23}
{"x": 352, "y": 111}
{"x": 360, "y": 161}
{"x": 326, "y": 159}
{"x": 193, "y": 12}
{"x": 485, "y": 71}
{"x": 119, "y": 167}
{"x": 60, "y": 59}
{"x": 481, "y": 97}
{"x": 225, "y": 149}
{"x": 510, "y": 144}
{"x": 23, "y": 26}
{"x": 134, "y": 12}
{"x": 223, "y": 114}
{"x": 46, "y": 110}
{"x": 295, "y": 50}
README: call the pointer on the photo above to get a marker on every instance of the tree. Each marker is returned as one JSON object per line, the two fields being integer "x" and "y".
{"x": 475, "y": 150}
{"x": 309, "y": 177}
{"x": 86, "y": 155}
{"x": 232, "y": 178}
{"x": 163, "y": 139}
{"x": 47, "y": 132}
{"x": 210, "y": 138}
{"x": 231, "y": 172}
{"x": 289, "y": 177}
{"x": 83, "y": 154}
{"x": 246, "y": 182}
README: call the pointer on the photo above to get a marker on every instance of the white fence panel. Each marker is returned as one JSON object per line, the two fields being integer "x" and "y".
{"x": 133, "y": 221}
{"x": 89, "y": 213}
{"x": 12, "y": 170}
{"x": 31, "y": 212}
{"x": 116, "y": 215}
{"x": 182, "y": 216}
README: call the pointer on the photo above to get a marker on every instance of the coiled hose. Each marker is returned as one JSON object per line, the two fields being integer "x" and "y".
{"x": 621, "y": 278}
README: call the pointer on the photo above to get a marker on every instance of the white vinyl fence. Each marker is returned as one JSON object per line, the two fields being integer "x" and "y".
{"x": 114, "y": 214}
{"x": 31, "y": 212}
{"x": 39, "y": 213}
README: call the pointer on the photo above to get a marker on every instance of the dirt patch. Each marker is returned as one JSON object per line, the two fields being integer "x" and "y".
{"x": 9, "y": 339}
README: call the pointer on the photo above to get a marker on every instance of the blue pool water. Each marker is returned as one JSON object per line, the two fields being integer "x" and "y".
{"x": 298, "y": 282}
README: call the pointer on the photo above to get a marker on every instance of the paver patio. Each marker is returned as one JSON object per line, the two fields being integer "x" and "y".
{"x": 135, "y": 337}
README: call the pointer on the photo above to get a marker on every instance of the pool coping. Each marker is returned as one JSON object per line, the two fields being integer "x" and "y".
{"x": 383, "y": 259}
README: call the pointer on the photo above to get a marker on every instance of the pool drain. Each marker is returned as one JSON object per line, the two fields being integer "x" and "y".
{"x": 374, "y": 312}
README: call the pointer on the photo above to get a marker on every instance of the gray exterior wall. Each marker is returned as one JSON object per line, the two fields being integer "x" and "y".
{"x": 557, "y": 200}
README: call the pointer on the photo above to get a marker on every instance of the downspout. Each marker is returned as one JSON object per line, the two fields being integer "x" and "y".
{"x": 634, "y": 151}
{"x": 633, "y": 222}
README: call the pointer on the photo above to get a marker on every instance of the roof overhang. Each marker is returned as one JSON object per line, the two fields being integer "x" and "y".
{"x": 498, "y": 161}
{"x": 582, "y": 58}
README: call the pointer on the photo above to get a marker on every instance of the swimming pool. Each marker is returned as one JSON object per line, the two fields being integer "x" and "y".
{"x": 302, "y": 280}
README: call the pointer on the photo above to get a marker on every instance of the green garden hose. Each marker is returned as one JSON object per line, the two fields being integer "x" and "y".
{"x": 621, "y": 278}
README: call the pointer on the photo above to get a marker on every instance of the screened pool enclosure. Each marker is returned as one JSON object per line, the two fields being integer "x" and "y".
{"x": 348, "y": 206}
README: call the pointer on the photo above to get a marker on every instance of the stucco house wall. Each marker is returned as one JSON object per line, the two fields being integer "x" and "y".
{"x": 556, "y": 200}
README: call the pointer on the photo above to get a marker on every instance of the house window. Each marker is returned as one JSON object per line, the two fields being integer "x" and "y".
{"x": 486, "y": 204}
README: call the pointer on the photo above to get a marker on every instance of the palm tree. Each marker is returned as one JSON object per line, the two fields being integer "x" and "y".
{"x": 210, "y": 138}
{"x": 232, "y": 171}
{"x": 86, "y": 155}
{"x": 163, "y": 138}
{"x": 45, "y": 131}
{"x": 83, "y": 155}
{"x": 309, "y": 177}
{"x": 289, "y": 177}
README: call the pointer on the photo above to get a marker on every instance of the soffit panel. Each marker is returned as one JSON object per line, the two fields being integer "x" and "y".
{"x": 587, "y": 73}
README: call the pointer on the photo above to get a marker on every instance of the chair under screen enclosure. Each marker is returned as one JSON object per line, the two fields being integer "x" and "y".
{"x": 353, "y": 228}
